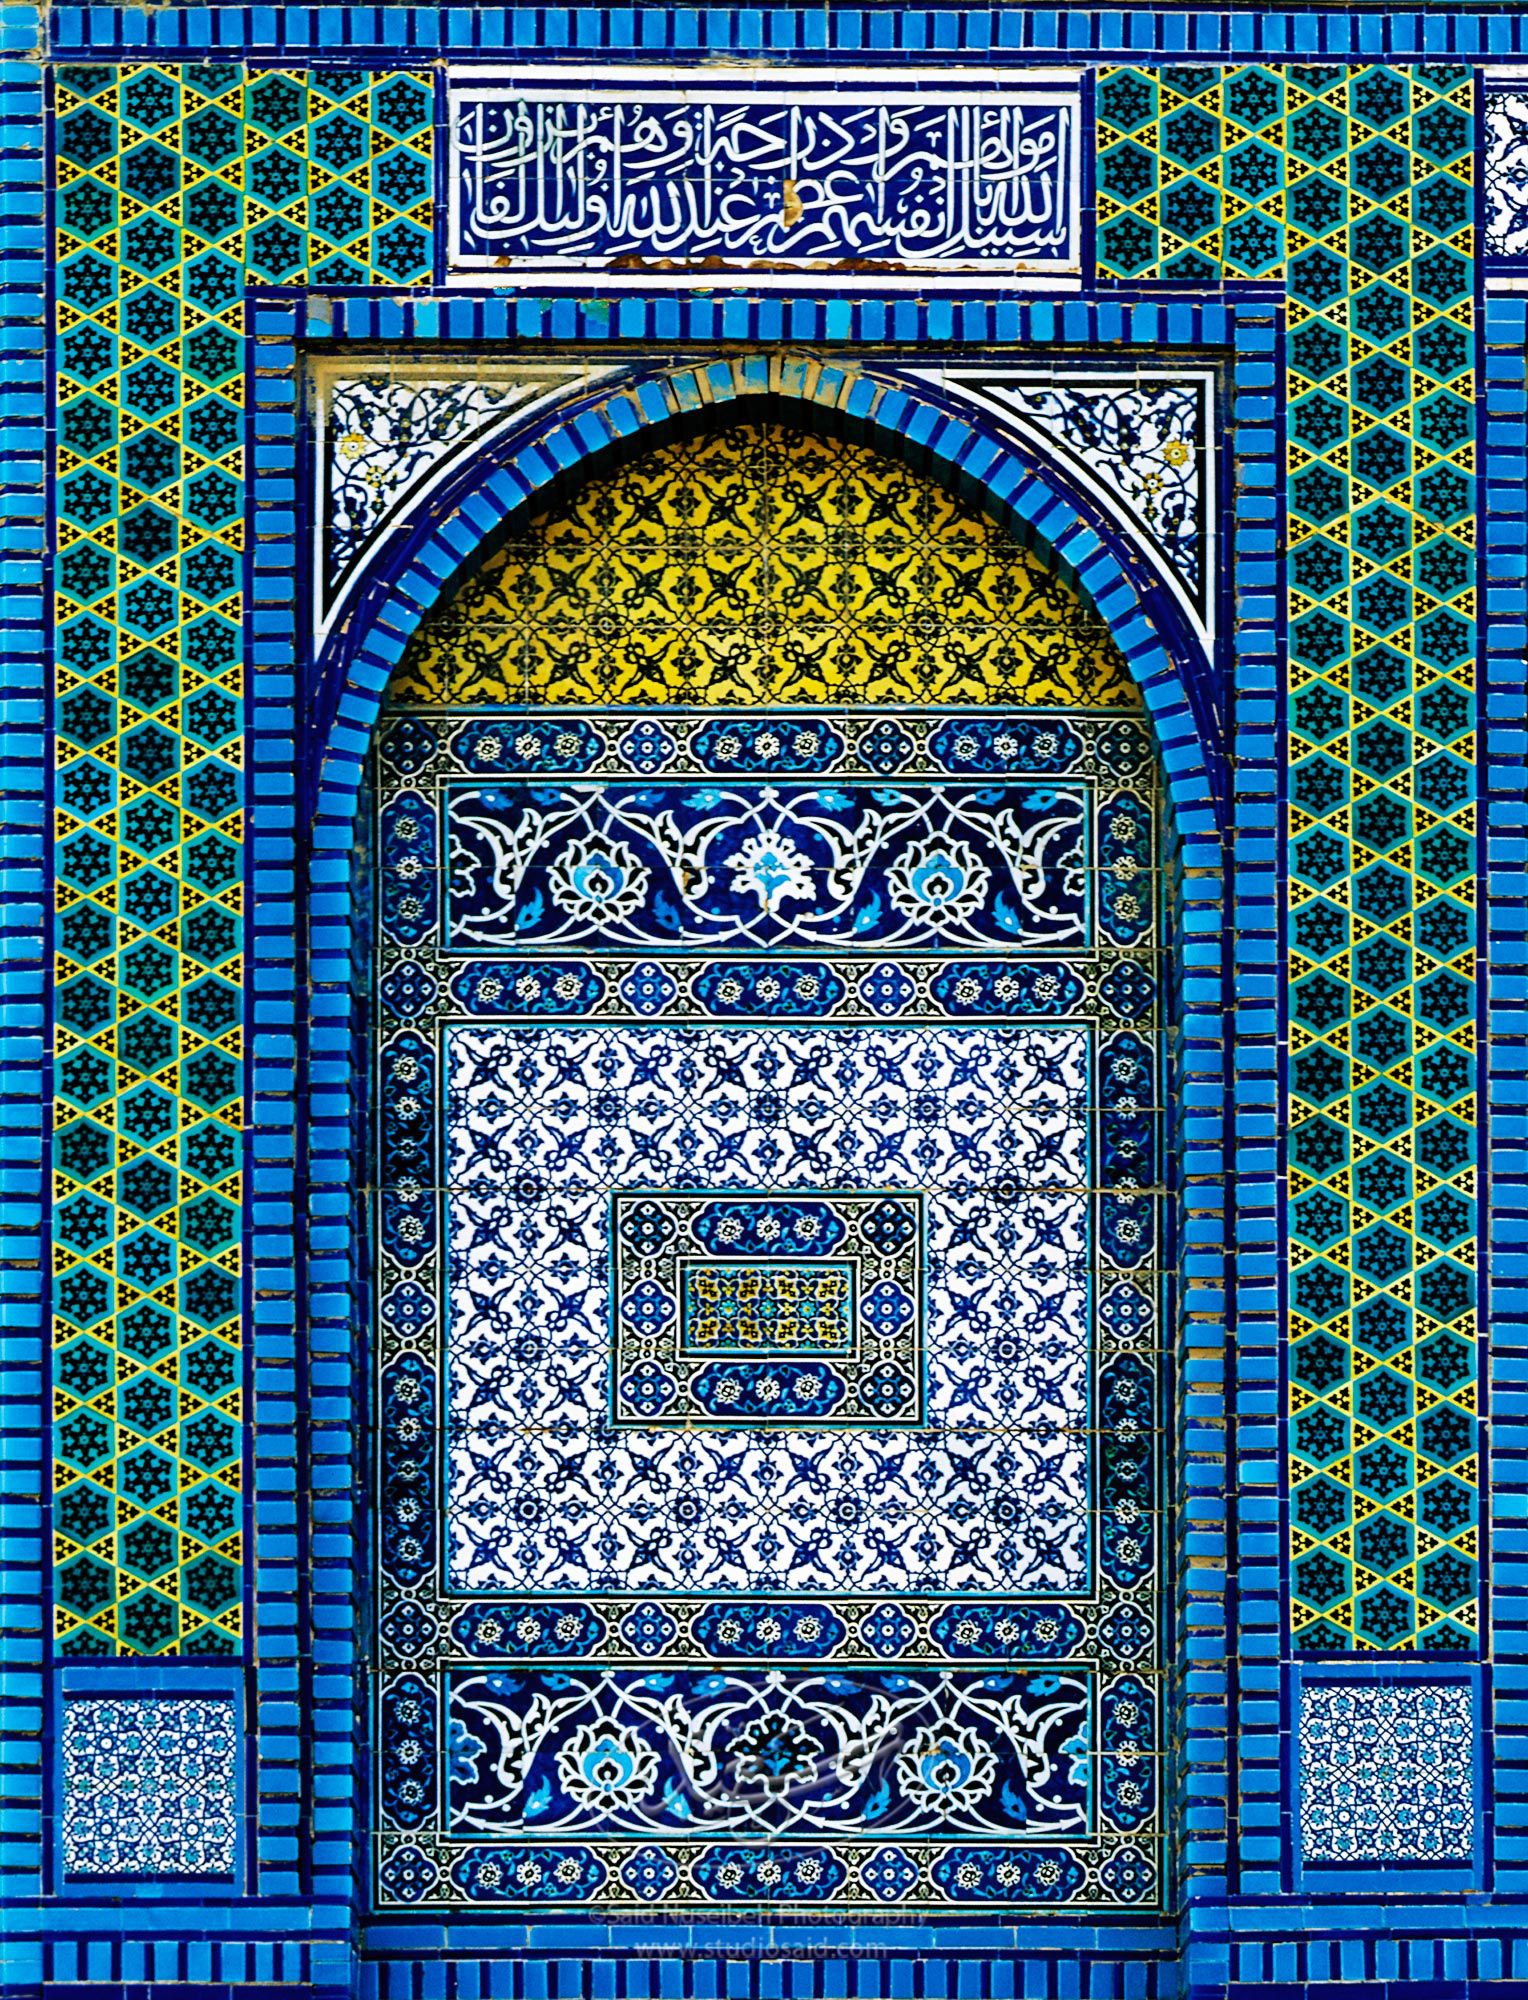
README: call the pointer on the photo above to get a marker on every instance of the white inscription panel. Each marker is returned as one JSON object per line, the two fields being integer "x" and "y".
{"x": 658, "y": 178}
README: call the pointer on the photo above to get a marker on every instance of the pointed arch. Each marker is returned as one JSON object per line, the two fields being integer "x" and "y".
{"x": 571, "y": 445}
{"x": 360, "y": 659}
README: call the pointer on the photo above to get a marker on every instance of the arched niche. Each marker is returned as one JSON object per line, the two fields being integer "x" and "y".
{"x": 525, "y": 594}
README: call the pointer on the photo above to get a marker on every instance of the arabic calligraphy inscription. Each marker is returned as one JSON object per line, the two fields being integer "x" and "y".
{"x": 662, "y": 178}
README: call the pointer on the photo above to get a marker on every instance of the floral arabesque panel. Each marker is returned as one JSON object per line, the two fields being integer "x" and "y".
{"x": 1388, "y": 1773}
{"x": 1505, "y": 162}
{"x": 149, "y": 1784}
{"x": 769, "y": 1270}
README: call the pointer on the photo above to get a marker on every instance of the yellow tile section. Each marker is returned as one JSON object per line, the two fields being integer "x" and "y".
{"x": 759, "y": 563}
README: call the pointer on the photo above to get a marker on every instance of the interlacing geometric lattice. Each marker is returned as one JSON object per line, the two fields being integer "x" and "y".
{"x": 765, "y": 563}
{"x": 177, "y": 188}
{"x": 1387, "y": 1772}
{"x": 1355, "y": 187}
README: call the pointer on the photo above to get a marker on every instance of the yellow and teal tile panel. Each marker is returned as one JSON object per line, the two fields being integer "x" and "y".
{"x": 1354, "y": 189}
{"x": 177, "y": 188}
{"x": 1384, "y": 1464}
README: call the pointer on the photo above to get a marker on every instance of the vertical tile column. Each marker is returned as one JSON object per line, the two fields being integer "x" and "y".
{"x": 1504, "y": 873}
{"x": 23, "y": 962}
{"x": 149, "y": 1048}
{"x": 1354, "y": 187}
{"x": 1383, "y": 1469}
{"x": 177, "y": 188}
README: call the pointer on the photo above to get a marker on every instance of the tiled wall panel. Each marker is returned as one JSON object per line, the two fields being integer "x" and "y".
{"x": 176, "y": 189}
{"x": 1297, "y": 191}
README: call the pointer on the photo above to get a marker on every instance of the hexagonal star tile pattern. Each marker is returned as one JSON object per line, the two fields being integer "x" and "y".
{"x": 177, "y": 187}
{"x": 1354, "y": 188}
{"x": 1192, "y": 173}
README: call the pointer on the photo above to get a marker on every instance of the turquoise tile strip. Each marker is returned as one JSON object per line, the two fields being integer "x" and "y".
{"x": 177, "y": 188}
{"x": 1354, "y": 187}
